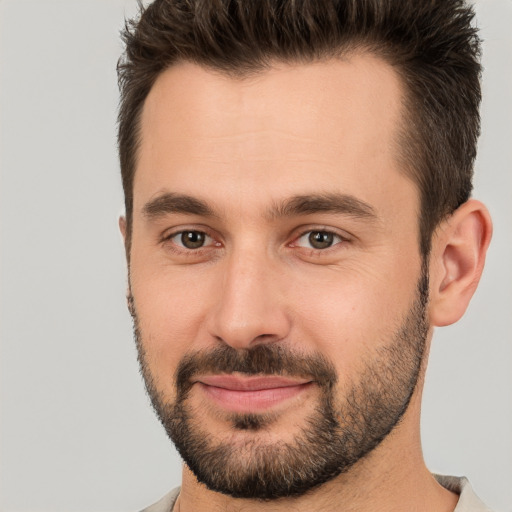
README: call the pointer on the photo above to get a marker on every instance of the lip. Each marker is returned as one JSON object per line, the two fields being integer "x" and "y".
{"x": 251, "y": 394}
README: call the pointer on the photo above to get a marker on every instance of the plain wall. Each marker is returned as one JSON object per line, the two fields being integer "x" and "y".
{"x": 77, "y": 431}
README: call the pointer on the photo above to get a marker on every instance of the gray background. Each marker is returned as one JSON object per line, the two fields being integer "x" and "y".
{"x": 77, "y": 433}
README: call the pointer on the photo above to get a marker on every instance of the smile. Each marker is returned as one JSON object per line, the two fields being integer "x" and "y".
{"x": 251, "y": 394}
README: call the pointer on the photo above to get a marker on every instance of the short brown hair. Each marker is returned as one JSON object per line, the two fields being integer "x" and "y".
{"x": 432, "y": 44}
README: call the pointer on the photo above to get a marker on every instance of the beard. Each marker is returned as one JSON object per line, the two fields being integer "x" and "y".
{"x": 337, "y": 434}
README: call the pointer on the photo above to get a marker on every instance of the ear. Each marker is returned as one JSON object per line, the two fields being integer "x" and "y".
{"x": 457, "y": 260}
{"x": 129, "y": 296}
{"x": 122, "y": 227}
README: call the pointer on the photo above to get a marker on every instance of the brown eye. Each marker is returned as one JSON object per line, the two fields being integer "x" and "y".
{"x": 320, "y": 239}
{"x": 191, "y": 239}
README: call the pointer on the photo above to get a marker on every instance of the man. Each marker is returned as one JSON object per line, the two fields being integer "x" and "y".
{"x": 297, "y": 181}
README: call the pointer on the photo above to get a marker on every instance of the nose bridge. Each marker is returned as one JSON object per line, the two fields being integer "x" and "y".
{"x": 249, "y": 309}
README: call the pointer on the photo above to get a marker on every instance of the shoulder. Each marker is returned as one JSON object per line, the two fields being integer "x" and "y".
{"x": 468, "y": 500}
{"x": 165, "y": 504}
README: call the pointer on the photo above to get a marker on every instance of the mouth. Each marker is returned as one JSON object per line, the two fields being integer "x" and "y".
{"x": 251, "y": 394}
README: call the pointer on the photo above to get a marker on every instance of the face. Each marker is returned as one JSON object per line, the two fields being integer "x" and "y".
{"x": 276, "y": 281}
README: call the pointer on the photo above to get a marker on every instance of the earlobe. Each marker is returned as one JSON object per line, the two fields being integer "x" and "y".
{"x": 457, "y": 261}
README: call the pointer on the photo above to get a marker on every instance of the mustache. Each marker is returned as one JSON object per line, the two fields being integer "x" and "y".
{"x": 269, "y": 359}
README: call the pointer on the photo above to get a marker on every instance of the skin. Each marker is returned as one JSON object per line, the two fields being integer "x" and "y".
{"x": 243, "y": 146}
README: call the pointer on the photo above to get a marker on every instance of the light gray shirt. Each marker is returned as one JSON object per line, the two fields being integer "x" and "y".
{"x": 468, "y": 500}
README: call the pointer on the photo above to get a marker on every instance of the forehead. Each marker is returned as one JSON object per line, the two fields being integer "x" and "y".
{"x": 331, "y": 123}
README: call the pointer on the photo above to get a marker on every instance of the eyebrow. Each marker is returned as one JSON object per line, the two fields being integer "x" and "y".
{"x": 169, "y": 203}
{"x": 323, "y": 203}
{"x": 176, "y": 203}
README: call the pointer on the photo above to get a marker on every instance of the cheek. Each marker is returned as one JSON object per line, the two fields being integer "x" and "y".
{"x": 349, "y": 314}
{"x": 171, "y": 308}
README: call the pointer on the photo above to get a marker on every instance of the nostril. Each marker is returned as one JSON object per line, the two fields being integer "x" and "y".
{"x": 266, "y": 338}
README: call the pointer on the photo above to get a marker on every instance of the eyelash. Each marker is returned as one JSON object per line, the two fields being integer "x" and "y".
{"x": 182, "y": 250}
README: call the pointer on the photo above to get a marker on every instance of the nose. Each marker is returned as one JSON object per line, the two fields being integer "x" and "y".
{"x": 250, "y": 307}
